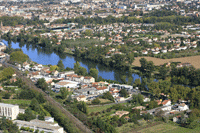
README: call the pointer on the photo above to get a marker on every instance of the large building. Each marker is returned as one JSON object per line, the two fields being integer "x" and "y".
{"x": 9, "y": 111}
{"x": 47, "y": 127}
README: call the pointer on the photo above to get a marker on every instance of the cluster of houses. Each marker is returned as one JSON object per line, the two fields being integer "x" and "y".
{"x": 84, "y": 88}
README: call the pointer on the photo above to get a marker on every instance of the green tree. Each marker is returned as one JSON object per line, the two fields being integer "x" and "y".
{"x": 61, "y": 65}
{"x": 137, "y": 99}
{"x": 40, "y": 98}
{"x": 35, "y": 105}
{"x": 7, "y": 73}
{"x": 96, "y": 101}
{"x": 41, "y": 83}
{"x": 163, "y": 72}
{"x": 64, "y": 92}
{"x": 54, "y": 67}
{"x": 124, "y": 93}
{"x": 82, "y": 106}
{"x": 18, "y": 56}
{"x": 137, "y": 83}
{"x": 108, "y": 96}
{"x": 8, "y": 126}
{"x": 94, "y": 73}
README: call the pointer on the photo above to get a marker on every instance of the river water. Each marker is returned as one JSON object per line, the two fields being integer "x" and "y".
{"x": 52, "y": 58}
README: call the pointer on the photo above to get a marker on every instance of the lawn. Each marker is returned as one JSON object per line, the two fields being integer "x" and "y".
{"x": 168, "y": 128}
{"x": 99, "y": 108}
{"x": 16, "y": 101}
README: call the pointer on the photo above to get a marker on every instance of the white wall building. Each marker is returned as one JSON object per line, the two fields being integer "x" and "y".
{"x": 47, "y": 127}
{"x": 9, "y": 111}
{"x": 67, "y": 84}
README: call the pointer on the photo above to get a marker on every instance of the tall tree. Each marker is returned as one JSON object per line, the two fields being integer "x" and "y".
{"x": 61, "y": 65}
{"x": 64, "y": 92}
{"x": 94, "y": 73}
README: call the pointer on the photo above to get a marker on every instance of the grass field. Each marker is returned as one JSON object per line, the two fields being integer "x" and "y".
{"x": 194, "y": 60}
{"x": 99, "y": 108}
{"x": 168, "y": 128}
{"x": 16, "y": 101}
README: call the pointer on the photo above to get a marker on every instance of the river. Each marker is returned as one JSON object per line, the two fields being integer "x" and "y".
{"x": 52, "y": 58}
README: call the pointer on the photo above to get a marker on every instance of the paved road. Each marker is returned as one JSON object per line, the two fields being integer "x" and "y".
{"x": 72, "y": 118}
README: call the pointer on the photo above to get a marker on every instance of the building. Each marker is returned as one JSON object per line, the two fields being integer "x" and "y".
{"x": 166, "y": 102}
{"x": 9, "y": 111}
{"x": 183, "y": 107}
{"x": 66, "y": 84}
{"x": 121, "y": 113}
{"x": 47, "y": 127}
{"x": 88, "y": 80}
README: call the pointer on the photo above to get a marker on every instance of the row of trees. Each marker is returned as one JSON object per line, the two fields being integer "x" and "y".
{"x": 178, "y": 20}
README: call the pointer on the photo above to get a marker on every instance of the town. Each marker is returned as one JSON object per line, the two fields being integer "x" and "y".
{"x": 152, "y": 45}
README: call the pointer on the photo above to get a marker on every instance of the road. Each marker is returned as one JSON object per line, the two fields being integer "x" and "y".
{"x": 72, "y": 118}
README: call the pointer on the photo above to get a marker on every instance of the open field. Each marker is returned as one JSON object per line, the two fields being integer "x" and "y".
{"x": 194, "y": 60}
{"x": 16, "y": 101}
{"x": 99, "y": 108}
{"x": 160, "y": 128}
{"x": 168, "y": 128}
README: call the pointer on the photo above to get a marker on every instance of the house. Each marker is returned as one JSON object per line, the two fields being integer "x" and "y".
{"x": 88, "y": 80}
{"x": 166, "y": 102}
{"x": 158, "y": 101}
{"x": 144, "y": 52}
{"x": 156, "y": 52}
{"x": 37, "y": 67}
{"x": 66, "y": 84}
{"x": 81, "y": 98}
{"x": 49, "y": 119}
{"x": 121, "y": 113}
{"x": 139, "y": 107}
{"x": 146, "y": 99}
{"x": 164, "y": 50}
{"x": 78, "y": 78}
{"x": 55, "y": 73}
{"x": 26, "y": 65}
{"x": 166, "y": 108}
{"x": 102, "y": 89}
{"x": 183, "y": 107}
{"x": 118, "y": 99}
{"x": 183, "y": 65}
{"x": 177, "y": 119}
{"x": 127, "y": 118}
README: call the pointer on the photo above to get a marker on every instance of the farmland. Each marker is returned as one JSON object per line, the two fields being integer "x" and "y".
{"x": 160, "y": 128}
{"x": 194, "y": 60}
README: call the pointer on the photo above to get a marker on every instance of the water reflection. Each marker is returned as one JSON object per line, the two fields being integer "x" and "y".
{"x": 45, "y": 57}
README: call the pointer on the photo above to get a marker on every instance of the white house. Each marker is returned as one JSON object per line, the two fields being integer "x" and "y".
{"x": 101, "y": 90}
{"x": 156, "y": 52}
{"x": 66, "y": 84}
{"x": 49, "y": 119}
{"x": 88, "y": 80}
{"x": 164, "y": 50}
{"x": 166, "y": 102}
{"x": 78, "y": 78}
{"x": 144, "y": 52}
{"x": 183, "y": 107}
{"x": 146, "y": 99}
{"x": 166, "y": 108}
{"x": 26, "y": 65}
{"x": 37, "y": 67}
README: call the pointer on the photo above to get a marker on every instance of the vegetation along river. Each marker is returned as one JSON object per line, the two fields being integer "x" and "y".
{"x": 41, "y": 57}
